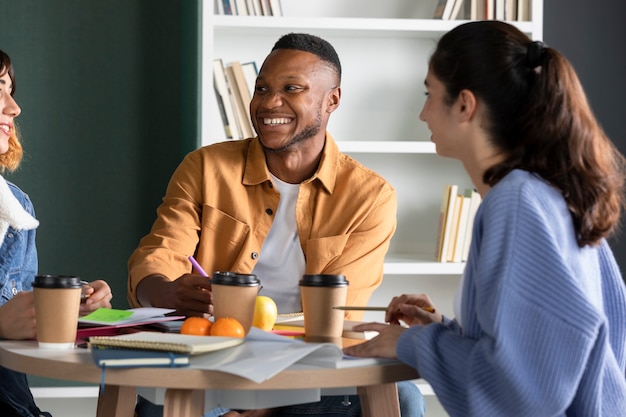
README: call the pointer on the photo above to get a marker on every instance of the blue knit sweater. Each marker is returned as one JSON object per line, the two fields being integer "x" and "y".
{"x": 543, "y": 329}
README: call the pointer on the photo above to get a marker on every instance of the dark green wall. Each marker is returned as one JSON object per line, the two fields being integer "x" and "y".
{"x": 591, "y": 35}
{"x": 108, "y": 91}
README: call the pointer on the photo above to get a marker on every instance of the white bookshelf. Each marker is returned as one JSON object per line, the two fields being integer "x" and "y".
{"x": 384, "y": 47}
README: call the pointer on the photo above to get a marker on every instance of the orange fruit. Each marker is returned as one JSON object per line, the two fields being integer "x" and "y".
{"x": 228, "y": 327}
{"x": 265, "y": 313}
{"x": 197, "y": 326}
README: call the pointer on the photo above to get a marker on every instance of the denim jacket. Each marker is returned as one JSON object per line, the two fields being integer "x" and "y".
{"x": 18, "y": 253}
{"x": 18, "y": 266}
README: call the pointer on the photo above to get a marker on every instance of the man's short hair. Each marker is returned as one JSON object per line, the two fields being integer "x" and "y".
{"x": 313, "y": 44}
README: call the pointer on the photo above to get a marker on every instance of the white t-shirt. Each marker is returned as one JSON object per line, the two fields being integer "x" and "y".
{"x": 281, "y": 263}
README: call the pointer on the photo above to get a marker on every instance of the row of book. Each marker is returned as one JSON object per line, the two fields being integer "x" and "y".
{"x": 509, "y": 10}
{"x": 234, "y": 87}
{"x": 456, "y": 220}
{"x": 249, "y": 7}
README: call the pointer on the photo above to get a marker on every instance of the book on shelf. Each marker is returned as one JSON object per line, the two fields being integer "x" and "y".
{"x": 505, "y": 10}
{"x": 250, "y": 71}
{"x": 256, "y": 7}
{"x": 523, "y": 10}
{"x": 266, "y": 8}
{"x": 242, "y": 108}
{"x": 490, "y": 9}
{"x": 227, "y": 7}
{"x": 454, "y": 227}
{"x": 446, "y": 212}
{"x": 248, "y": 7}
{"x": 457, "y": 253}
{"x": 165, "y": 342}
{"x": 126, "y": 358}
{"x": 224, "y": 98}
{"x": 443, "y": 9}
{"x": 457, "y": 10}
{"x": 478, "y": 10}
{"x": 456, "y": 219}
{"x": 243, "y": 86}
{"x": 276, "y": 7}
{"x": 475, "y": 200}
{"x": 241, "y": 8}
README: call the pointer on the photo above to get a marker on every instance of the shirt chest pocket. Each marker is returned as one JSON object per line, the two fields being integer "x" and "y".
{"x": 222, "y": 234}
{"x": 322, "y": 251}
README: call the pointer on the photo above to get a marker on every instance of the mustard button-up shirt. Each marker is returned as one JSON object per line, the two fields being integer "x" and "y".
{"x": 220, "y": 202}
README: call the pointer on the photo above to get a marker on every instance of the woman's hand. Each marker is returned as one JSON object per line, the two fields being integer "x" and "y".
{"x": 97, "y": 294}
{"x": 381, "y": 346}
{"x": 412, "y": 309}
{"x": 17, "y": 317}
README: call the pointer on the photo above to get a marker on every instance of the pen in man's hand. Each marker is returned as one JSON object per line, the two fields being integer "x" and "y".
{"x": 84, "y": 297}
{"x": 197, "y": 266}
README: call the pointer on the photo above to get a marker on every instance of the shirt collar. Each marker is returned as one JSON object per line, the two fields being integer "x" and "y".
{"x": 256, "y": 171}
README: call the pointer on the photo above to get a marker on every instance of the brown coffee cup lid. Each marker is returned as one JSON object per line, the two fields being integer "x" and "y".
{"x": 324, "y": 280}
{"x": 57, "y": 281}
{"x": 235, "y": 279}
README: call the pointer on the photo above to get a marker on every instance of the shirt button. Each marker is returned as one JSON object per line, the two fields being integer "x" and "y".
{"x": 269, "y": 211}
{"x": 254, "y": 255}
{"x": 10, "y": 235}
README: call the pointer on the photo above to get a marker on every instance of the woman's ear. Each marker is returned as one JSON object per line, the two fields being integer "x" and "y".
{"x": 466, "y": 105}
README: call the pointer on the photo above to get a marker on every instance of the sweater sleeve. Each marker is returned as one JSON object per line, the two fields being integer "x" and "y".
{"x": 523, "y": 347}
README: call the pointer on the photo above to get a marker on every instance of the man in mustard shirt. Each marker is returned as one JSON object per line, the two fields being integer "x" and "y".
{"x": 280, "y": 205}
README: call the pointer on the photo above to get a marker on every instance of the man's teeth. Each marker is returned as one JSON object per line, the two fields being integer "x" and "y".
{"x": 274, "y": 122}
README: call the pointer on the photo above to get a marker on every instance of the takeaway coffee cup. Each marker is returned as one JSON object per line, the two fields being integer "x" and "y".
{"x": 320, "y": 293}
{"x": 234, "y": 295}
{"x": 57, "y": 302}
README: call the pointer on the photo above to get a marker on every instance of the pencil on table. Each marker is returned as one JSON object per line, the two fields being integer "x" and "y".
{"x": 368, "y": 308}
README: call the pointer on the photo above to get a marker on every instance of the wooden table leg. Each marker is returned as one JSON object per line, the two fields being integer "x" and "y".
{"x": 379, "y": 400}
{"x": 116, "y": 401}
{"x": 183, "y": 403}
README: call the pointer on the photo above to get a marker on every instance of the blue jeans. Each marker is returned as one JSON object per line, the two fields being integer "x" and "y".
{"x": 15, "y": 397}
{"x": 411, "y": 405}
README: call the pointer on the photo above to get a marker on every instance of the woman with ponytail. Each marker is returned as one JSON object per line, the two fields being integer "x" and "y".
{"x": 539, "y": 314}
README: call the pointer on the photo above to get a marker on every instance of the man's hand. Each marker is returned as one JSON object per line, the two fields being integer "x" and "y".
{"x": 189, "y": 294}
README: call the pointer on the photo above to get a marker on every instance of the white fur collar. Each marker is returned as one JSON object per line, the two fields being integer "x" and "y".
{"x": 12, "y": 213}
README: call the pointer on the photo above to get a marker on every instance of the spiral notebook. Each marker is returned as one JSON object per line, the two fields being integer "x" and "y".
{"x": 165, "y": 342}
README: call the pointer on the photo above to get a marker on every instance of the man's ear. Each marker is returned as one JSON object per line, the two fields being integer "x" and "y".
{"x": 466, "y": 105}
{"x": 334, "y": 97}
